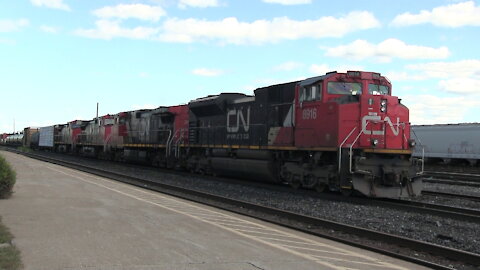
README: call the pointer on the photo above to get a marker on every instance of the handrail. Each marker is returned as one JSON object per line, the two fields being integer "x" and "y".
{"x": 177, "y": 143}
{"x": 351, "y": 146}
{"x": 423, "y": 151}
{"x": 340, "y": 149}
{"x": 106, "y": 141}
{"x": 423, "y": 160}
{"x": 168, "y": 141}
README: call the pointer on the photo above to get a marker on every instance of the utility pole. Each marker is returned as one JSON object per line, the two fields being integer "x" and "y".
{"x": 97, "y": 111}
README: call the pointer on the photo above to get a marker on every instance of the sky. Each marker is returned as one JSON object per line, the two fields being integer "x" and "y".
{"x": 58, "y": 58}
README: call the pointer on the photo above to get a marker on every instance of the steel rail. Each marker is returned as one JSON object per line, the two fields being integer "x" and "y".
{"x": 467, "y": 177}
{"x": 276, "y": 215}
{"x": 451, "y": 182}
{"x": 451, "y": 195}
{"x": 464, "y": 214}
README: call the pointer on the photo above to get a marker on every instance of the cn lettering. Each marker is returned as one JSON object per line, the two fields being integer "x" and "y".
{"x": 377, "y": 118}
{"x": 240, "y": 120}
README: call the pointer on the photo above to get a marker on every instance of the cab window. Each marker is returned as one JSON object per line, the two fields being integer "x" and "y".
{"x": 344, "y": 88}
{"x": 377, "y": 89}
{"x": 311, "y": 93}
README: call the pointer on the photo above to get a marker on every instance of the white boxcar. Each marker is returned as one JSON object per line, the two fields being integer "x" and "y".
{"x": 448, "y": 141}
{"x": 46, "y": 138}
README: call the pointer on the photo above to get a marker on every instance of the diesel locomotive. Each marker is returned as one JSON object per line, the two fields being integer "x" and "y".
{"x": 341, "y": 131}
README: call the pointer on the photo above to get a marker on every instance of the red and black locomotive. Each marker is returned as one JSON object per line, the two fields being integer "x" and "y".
{"x": 341, "y": 131}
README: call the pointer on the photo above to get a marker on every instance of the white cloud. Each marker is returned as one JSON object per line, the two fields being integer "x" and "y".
{"x": 232, "y": 31}
{"x": 461, "y": 85}
{"x": 198, "y": 3}
{"x": 13, "y": 25}
{"x": 462, "y": 68}
{"x": 112, "y": 29}
{"x": 386, "y": 50}
{"x": 460, "y": 77}
{"x": 56, "y": 4}
{"x": 430, "y": 109}
{"x": 287, "y": 66}
{"x": 454, "y": 15}
{"x": 49, "y": 29}
{"x": 404, "y": 76}
{"x": 207, "y": 72}
{"x": 135, "y": 11}
{"x": 324, "y": 68}
{"x": 288, "y": 2}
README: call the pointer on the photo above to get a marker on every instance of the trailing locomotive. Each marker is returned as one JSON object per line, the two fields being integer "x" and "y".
{"x": 341, "y": 131}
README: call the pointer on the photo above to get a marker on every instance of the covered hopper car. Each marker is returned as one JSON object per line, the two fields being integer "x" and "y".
{"x": 448, "y": 143}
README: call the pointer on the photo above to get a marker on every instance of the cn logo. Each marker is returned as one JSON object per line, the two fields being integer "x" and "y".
{"x": 238, "y": 115}
{"x": 376, "y": 118}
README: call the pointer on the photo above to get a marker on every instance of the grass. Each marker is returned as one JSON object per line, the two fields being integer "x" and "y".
{"x": 25, "y": 149}
{"x": 9, "y": 256}
{"x": 7, "y": 179}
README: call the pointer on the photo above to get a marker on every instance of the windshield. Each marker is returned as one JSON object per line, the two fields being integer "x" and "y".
{"x": 344, "y": 88}
{"x": 376, "y": 89}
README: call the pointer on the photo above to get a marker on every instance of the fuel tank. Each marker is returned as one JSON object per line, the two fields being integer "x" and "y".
{"x": 258, "y": 170}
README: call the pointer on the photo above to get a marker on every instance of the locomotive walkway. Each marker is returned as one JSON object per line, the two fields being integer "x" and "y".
{"x": 65, "y": 219}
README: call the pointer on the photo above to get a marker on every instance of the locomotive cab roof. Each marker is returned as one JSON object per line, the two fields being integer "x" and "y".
{"x": 335, "y": 85}
{"x": 214, "y": 104}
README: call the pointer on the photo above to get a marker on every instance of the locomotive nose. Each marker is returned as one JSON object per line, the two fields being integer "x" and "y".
{"x": 384, "y": 123}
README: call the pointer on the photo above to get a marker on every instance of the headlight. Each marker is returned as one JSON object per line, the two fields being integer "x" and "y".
{"x": 374, "y": 142}
{"x": 383, "y": 105}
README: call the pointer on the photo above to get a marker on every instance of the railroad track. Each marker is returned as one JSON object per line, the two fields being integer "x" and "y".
{"x": 451, "y": 195}
{"x": 452, "y": 178}
{"x": 378, "y": 242}
{"x": 464, "y": 214}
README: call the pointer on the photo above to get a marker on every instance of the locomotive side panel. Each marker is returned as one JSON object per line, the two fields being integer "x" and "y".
{"x": 276, "y": 114}
{"x": 245, "y": 124}
{"x": 208, "y": 119}
{"x": 137, "y": 124}
{"x": 316, "y": 117}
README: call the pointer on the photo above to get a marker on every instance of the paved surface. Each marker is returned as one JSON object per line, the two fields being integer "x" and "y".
{"x": 65, "y": 219}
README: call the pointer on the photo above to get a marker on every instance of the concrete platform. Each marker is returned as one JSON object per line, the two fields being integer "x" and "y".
{"x": 65, "y": 219}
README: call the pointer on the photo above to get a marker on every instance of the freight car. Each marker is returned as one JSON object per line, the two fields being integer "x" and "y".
{"x": 30, "y": 137}
{"x": 341, "y": 131}
{"x": 3, "y": 138}
{"x": 448, "y": 142}
{"x": 15, "y": 139}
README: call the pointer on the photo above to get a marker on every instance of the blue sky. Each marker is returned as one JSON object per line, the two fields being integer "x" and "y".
{"x": 58, "y": 58}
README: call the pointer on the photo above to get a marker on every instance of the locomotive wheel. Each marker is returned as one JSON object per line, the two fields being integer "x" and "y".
{"x": 320, "y": 187}
{"x": 294, "y": 182}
